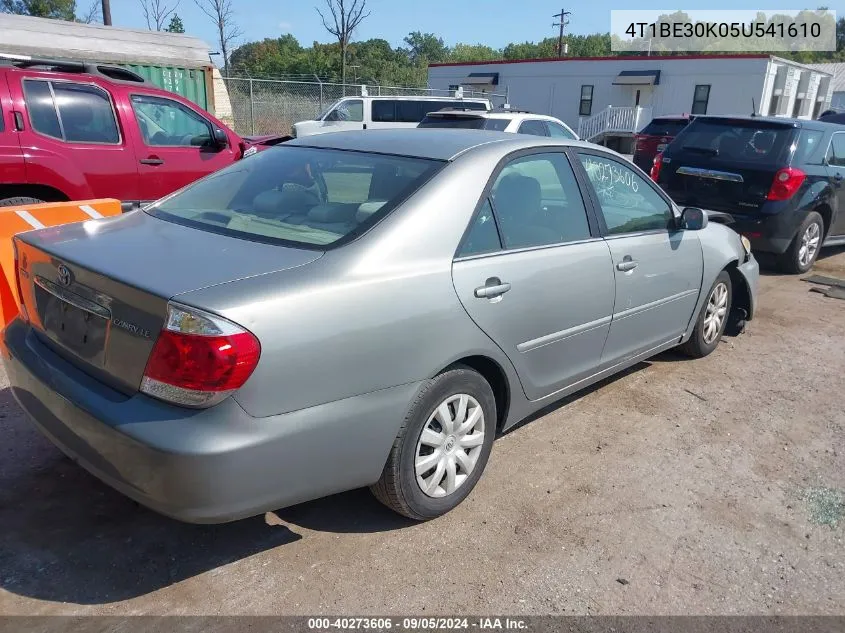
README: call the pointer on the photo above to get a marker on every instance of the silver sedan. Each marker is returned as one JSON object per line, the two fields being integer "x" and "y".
{"x": 357, "y": 309}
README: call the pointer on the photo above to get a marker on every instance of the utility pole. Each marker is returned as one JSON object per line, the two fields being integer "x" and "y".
{"x": 562, "y": 24}
{"x": 106, "y": 13}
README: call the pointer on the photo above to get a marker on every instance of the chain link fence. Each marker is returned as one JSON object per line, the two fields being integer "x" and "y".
{"x": 272, "y": 106}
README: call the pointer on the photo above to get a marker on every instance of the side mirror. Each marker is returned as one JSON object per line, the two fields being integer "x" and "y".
{"x": 221, "y": 140}
{"x": 693, "y": 219}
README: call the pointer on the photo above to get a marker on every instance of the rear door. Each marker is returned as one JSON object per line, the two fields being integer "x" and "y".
{"x": 533, "y": 127}
{"x": 174, "y": 145}
{"x": 71, "y": 132}
{"x": 836, "y": 172}
{"x": 12, "y": 165}
{"x": 657, "y": 268}
{"x": 534, "y": 274}
{"x": 726, "y": 164}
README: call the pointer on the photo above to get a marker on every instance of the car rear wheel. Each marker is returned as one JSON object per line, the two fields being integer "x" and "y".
{"x": 20, "y": 201}
{"x": 442, "y": 448}
{"x": 802, "y": 252}
{"x": 711, "y": 322}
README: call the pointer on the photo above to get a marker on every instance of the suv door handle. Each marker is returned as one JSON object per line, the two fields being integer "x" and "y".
{"x": 151, "y": 161}
{"x": 627, "y": 264}
{"x": 492, "y": 288}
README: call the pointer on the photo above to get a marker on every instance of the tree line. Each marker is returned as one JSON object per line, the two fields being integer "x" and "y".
{"x": 373, "y": 61}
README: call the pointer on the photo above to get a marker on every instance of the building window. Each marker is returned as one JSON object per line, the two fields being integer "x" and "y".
{"x": 700, "y": 99}
{"x": 817, "y": 109}
{"x": 586, "y": 101}
{"x": 453, "y": 87}
{"x": 774, "y": 105}
{"x": 796, "y": 109}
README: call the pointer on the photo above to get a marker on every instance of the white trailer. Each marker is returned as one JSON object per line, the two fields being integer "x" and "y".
{"x": 609, "y": 99}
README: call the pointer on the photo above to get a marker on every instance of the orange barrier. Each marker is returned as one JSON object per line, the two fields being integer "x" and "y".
{"x": 14, "y": 220}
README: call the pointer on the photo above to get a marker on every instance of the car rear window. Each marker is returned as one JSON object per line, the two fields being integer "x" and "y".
{"x": 664, "y": 127}
{"x": 303, "y": 196}
{"x": 737, "y": 140}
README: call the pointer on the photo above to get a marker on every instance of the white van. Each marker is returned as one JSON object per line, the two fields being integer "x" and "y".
{"x": 372, "y": 113}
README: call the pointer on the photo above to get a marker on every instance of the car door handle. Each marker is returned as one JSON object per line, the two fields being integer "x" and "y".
{"x": 627, "y": 264}
{"x": 492, "y": 288}
{"x": 151, "y": 161}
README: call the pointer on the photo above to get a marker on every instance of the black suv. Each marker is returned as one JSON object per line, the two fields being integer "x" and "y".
{"x": 781, "y": 181}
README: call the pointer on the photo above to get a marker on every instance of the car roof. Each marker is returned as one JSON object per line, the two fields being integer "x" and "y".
{"x": 433, "y": 143}
{"x": 417, "y": 98}
{"x": 785, "y": 121}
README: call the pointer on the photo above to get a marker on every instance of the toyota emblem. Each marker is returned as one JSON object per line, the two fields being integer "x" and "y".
{"x": 64, "y": 275}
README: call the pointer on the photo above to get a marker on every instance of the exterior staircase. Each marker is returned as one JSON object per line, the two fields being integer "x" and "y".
{"x": 614, "y": 120}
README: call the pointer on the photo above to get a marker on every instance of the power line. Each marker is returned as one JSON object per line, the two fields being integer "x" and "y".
{"x": 563, "y": 23}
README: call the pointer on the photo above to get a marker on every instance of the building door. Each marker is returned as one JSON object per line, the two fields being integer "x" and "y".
{"x": 641, "y": 95}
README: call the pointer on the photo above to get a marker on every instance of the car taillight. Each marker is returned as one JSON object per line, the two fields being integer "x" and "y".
{"x": 656, "y": 166}
{"x": 18, "y": 287}
{"x": 199, "y": 358}
{"x": 786, "y": 183}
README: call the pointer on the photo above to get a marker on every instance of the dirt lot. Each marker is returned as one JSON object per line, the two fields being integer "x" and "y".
{"x": 703, "y": 487}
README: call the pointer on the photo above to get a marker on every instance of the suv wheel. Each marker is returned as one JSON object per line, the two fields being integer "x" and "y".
{"x": 20, "y": 201}
{"x": 802, "y": 252}
{"x": 442, "y": 448}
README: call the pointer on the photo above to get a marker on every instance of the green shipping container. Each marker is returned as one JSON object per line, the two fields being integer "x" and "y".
{"x": 187, "y": 82}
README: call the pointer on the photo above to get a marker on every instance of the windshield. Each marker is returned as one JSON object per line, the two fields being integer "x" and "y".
{"x": 739, "y": 140}
{"x": 306, "y": 196}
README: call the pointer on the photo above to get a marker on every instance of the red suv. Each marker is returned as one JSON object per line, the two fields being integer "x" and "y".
{"x": 655, "y": 136}
{"x": 75, "y": 131}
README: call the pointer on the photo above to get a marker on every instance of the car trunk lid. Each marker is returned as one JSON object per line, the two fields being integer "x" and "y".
{"x": 726, "y": 164}
{"x": 96, "y": 292}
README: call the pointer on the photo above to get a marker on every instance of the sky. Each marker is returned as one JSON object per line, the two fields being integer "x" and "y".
{"x": 492, "y": 22}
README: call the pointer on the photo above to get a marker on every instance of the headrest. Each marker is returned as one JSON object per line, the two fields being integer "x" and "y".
{"x": 331, "y": 213}
{"x": 517, "y": 193}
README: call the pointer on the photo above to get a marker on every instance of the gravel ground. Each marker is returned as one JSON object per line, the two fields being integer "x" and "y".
{"x": 681, "y": 487}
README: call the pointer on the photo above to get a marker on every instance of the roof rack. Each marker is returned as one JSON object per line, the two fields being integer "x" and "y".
{"x": 115, "y": 73}
{"x": 454, "y": 110}
{"x": 507, "y": 108}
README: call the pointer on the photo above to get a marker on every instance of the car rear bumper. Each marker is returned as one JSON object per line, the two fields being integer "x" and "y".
{"x": 202, "y": 466}
{"x": 768, "y": 233}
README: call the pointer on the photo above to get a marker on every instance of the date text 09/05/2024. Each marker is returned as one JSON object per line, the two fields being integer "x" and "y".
{"x": 683, "y": 30}
{"x": 416, "y": 624}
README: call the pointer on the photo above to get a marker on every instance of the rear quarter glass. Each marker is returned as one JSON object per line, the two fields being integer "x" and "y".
{"x": 298, "y": 196}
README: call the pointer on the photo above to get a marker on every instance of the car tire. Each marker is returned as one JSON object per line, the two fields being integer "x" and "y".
{"x": 711, "y": 321}
{"x": 805, "y": 246}
{"x": 20, "y": 201}
{"x": 447, "y": 476}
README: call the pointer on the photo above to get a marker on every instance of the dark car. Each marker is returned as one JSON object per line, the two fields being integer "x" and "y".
{"x": 833, "y": 116}
{"x": 779, "y": 180}
{"x": 655, "y": 136}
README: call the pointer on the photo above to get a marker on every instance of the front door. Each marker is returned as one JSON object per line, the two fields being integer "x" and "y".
{"x": 174, "y": 146}
{"x": 836, "y": 172}
{"x": 657, "y": 268}
{"x": 347, "y": 115}
{"x": 535, "y": 276}
{"x": 642, "y": 96}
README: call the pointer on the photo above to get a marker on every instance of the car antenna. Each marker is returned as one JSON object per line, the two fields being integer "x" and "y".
{"x": 753, "y": 107}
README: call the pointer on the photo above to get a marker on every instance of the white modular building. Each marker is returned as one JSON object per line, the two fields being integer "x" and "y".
{"x": 609, "y": 99}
